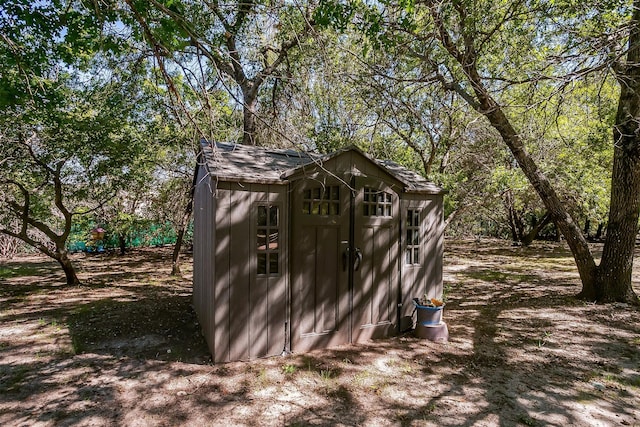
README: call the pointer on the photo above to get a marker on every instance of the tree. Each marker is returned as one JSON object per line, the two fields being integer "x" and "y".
{"x": 553, "y": 43}
{"x": 173, "y": 203}
{"x": 231, "y": 38}
{"x": 613, "y": 277}
{"x": 70, "y": 127}
{"x": 66, "y": 163}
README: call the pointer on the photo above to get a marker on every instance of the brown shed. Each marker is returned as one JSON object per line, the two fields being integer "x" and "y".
{"x": 296, "y": 251}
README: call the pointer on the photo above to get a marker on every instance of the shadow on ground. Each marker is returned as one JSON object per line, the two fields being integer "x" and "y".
{"x": 126, "y": 349}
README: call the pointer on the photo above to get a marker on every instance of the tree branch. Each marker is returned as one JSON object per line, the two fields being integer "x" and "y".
{"x": 34, "y": 243}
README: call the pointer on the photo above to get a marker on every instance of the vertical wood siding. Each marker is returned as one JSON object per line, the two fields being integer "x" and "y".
{"x": 242, "y": 313}
{"x": 319, "y": 305}
{"x": 325, "y": 310}
{"x": 376, "y": 283}
{"x": 203, "y": 255}
{"x": 425, "y": 278}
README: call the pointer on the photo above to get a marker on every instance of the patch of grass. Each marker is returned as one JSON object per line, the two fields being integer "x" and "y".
{"x": 309, "y": 363}
{"x": 542, "y": 341}
{"x": 19, "y": 270}
{"x": 78, "y": 345}
{"x": 52, "y": 323}
{"x": 262, "y": 378}
{"x": 379, "y": 385}
{"x": 406, "y": 368}
{"x": 327, "y": 374}
{"x": 5, "y": 272}
{"x": 361, "y": 377}
{"x": 631, "y": 381}
{"x": 446, "y": 290}
{"x": 289, "y": 369}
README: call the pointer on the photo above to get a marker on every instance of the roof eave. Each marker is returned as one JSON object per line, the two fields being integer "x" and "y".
{"x": 248, "y": 180}
{"x": 435, "y": 191}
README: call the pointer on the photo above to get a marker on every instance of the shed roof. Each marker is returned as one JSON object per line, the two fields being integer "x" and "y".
{"x": 243, "y": 163}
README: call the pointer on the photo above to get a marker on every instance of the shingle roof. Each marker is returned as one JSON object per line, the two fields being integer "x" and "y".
{"x": 242, "y": 163}
{"x": 236, "y": 162}
{"x": 414, "y": 182}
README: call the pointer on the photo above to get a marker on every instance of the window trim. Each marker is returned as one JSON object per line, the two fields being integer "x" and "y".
{"x": 322, "y": 200}
{"x": 371, "y": 207}
{"x": 413, "y": 247}
{"x": 267, "y": 230}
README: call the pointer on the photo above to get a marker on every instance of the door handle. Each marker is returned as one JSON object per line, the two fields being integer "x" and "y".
{"x": 358, "y": 260}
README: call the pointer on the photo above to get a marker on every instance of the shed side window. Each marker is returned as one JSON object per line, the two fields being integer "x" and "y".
{"x": 268, "y": 235}
{"x": 321, "y": 201}
{"x": 376, "y": 203}
{"x": 412, "y": 251}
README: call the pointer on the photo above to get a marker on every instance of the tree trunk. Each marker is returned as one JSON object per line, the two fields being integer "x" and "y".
{"x": 614, "y": 273}
{"x": 515, "y": 236}
{"x": 453, "y": 215}
{"x": 598, "y": 235}
{"x": 529, "y": 237}
{"x": 512, "y": 217}
{"x": 122, "y": 242}
{"x": 486, "y": 105}
{"x": 587, "y": 227}
{"x": 69, "y": 271}
{"x": 249, "y": 120}
{"x": 175, "y": 257}
{"x": 188, "y": 210}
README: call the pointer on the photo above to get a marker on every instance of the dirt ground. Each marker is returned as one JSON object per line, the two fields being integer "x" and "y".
{"x": 125, "y": 350}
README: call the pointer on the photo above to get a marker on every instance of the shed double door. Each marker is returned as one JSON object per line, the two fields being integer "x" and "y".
{"x": 344, "y": 268}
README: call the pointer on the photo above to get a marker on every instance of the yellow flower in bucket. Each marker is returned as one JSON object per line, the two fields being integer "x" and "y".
{"x": 437, "y": 302}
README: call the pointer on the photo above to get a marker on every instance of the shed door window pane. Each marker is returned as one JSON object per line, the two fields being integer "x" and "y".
{"x": 321, "y": 201}
{"x": 377, "y": 203}
{"x": 267, "y": 239}
{"x": 412, "y": 243}
{"x": 262, "y": 216}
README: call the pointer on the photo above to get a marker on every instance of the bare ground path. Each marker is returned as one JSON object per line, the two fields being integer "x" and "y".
{"x": 125, "y": 349}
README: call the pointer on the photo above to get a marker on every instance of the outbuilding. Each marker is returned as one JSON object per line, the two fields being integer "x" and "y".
{"x": 296, "y": 251}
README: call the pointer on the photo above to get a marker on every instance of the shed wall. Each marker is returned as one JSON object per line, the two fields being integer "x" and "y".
{"x": 203, "y": 254}
{"x": 425, "y": 277}
{"x": 249, "y": 309}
